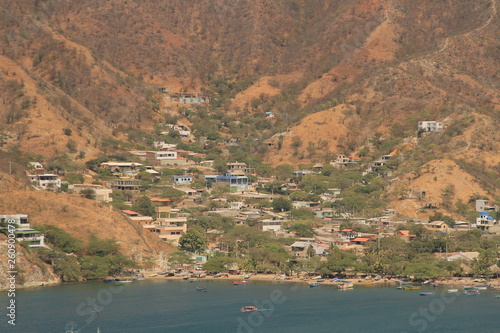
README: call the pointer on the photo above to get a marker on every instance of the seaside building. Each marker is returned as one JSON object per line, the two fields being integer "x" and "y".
{"x": 23, "y": 231}
{"x": 235, "y": 183}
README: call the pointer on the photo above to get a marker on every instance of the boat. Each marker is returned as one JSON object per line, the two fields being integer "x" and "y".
{"x": 249, "y": 308}
{"x": 453, "y": 290}
{"x": 313, "y": 284}
{"x": 139, "y": 277}
{"x": 246, "y": 277}
{"x": 483, "y": 287}
{"x": 427, "y": 293}
{"x": 123, "y": 282}
{"x": 320, "y": 280}
{"x": 110, "y": 280}
{"x": 238, "y": 283}
{"x": 497, "y": 296}
{"x": 194, "y": 280}
{"x": 345, "y": 286}
{"x": 377, "y": 278}
{"x": 340, "y": 281}
{"x": 467, "y": 287}
{"x": 411, "y": 288}
{"x": 471, "y": 292}
{"x": 403, "y": 282}
{"x": 201, "y": 288}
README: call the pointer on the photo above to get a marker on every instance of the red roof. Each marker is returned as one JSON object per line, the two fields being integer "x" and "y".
{"x": 405, "y": 233}
{"x": 160, "y": 200}
{"x": 361, "y": 239}
{"x": 131, "y": 212}
{"x": 347, "y": 230}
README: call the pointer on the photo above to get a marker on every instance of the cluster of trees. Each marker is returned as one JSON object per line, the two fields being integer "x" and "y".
{"x": 251, "y": 249}
{"x": 95, "y": 260}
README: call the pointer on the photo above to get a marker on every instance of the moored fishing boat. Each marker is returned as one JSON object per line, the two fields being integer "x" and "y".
{"x": 467, "y": 287}
{"x": 123, "y": 282}
{"x": 453, "y": 290}
{"x": 313, "y": 284}
{"x": 426, "y": 293}
{"x": 249, "y": 308}
{"x": 471, "y": 292}
{"x": 482, "y": 287}
{"x": 239, "y": 283}
{"x": 345, "y": 286}
{"x": 411, "y": 288}
{"x": 201, "y": 288}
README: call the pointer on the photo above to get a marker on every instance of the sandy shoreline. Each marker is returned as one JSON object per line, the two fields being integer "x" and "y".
{"x": 274, "y": 278}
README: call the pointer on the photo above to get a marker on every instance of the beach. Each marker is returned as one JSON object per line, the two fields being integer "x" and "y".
{"x": 453, "y": 281}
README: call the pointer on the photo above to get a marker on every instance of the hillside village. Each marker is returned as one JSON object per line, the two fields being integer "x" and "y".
{"x": 218, "y": 207}
{"x": 314, "y": 138}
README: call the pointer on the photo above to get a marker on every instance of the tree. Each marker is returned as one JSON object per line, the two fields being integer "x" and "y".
{"x": 423, "y": 271}
{"x": 60, "y": 239}
{"x": 284, "y": 171}
{"x": 193, "y": 241}
{"x": 302, "y": 230}
{"x": 180, "y": 258}
{"x": 88, "y": 193}
{"x": 74, "y": 178}
{"x": 144, "y": 206}
{"x": 310, "y": 251}
{"x": 102, "y": 247}
{"x": 281, "y": 204}
{"x": 302, "y": 214}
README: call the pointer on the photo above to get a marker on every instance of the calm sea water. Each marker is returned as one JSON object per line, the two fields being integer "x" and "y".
{"x": 175, "y": 306}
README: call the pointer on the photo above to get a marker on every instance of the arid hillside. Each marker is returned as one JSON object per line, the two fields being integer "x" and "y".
{"x": 80, "y": 78}
{"x": 83, "y": 218}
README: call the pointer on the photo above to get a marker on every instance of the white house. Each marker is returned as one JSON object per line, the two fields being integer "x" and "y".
{"x": 46, "y": 181}
{"x": 23, "y": 231}
{"x": 430, "y": 126}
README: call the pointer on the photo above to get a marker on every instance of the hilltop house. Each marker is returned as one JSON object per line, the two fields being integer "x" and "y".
{"x": 122, "y": 169}
{"x": 437, "y": 226}
{"x": 405, "y": 235}
{"x": 483, "y": 205}
{"x": 45, "y": 181}
{"x": 235, "y": 183}
{"x": 23, "y": 231}
{"x": 349, "y": 234}
{"x": 430, "y": 126}
{"x": 237, "y": 166}
{"x": 101, "y": 194}
{"x": 487, "y": 223}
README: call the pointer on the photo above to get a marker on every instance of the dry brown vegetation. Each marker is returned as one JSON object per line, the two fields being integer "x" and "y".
{"x": 339, "y": 75}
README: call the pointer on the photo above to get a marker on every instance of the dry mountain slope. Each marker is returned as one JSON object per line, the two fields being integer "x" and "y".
{"x": 82, "y": 218}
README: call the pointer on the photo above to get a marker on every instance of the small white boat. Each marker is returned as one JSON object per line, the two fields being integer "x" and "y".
{"x": 123, "y": 282}
{"x": 345, "y": 286}
{"x": 483, "y": 287}
{"x": 427, "y": 293}
{"x": 313, "y": 284}
{"x": 453, "y": 290}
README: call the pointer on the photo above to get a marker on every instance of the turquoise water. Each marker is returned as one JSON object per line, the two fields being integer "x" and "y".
{"x": 175, "y": 306}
